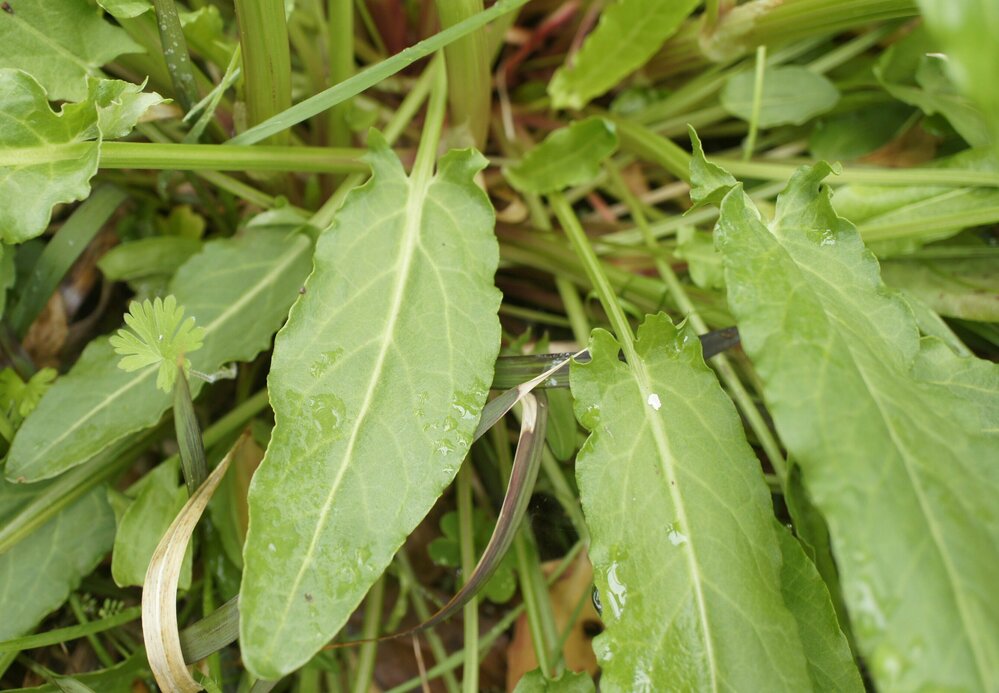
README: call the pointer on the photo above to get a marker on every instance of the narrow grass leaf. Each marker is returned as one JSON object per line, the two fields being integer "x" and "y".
{"x": 377, "y": 383}
{"x": 238, "y": 289}
{"x": 629, "y": 33}
{"x": 683, "y": 543}
{"x": 569, "y": 156}
{"x": 895, "y": 436}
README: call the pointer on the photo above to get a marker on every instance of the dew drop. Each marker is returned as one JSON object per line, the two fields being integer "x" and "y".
{"x": 618, "y": 592}
{"x": 655, "y": 402}
{"x": 675, "y": 536}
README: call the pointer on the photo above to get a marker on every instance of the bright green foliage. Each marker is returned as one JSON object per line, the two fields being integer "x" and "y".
{"x": 19, "y": 398}
{"x": 446, "y": 551}
{"x": 895, "y": 437}
{"x": 566, "y": 682}
{"x": 830, "y": 662}
{"x": 238, "y": 289}
{"x": 60, "y": 43}
{"x": 914, "y": 72}
{"x": 629, "y": 33}
{"x": 791, "y": 95}
{"x": 963, "y": 288}
{"x": 683, "y": 544}
{"x": 704, "y": 264}
{"x": 377, "y": 383}
{"x": 47, "y": 158}
{"x": 898, "y": 219}
{"x": 142, "y": 515}
{"x": 124, "y": 9}
{"x": 38, "y": 573}
{"x": 159, "y": 336}
{"x": 967, "y": 34}
{"x": 568, "y": 156}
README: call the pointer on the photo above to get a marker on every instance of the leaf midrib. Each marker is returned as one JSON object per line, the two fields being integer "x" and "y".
{"x": 668, "y": 464}
{"x": 905, "y": 458}
{"x": 411, "y": 231}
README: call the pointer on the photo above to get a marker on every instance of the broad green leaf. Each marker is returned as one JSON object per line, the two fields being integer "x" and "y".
{"x": 790, "y": 96}
{"x": 914, "y": 72}
{"x": 125, "y": 9}
{"x": 966, "y": 289}
{"x": 708, "y": 182}
{"x": 142, "y": 519}
{"x": 38, "y": 573}
{"x": 566, "y": 682}
{"x": 147, "y": 257}
{"x": 46, "y": 157}
{"x": 629, "y": 33}
{"x": 830, "y": 663}
{"x": 895, "y": 437}
{"x": 238, "y": 289}
{"x": 377, "y": 383}
{"x": 847, "y": 136}
{"x": 568, "y": 156}
{"x": 683, "y": 542}
{"x": 899, "y": 219}
{"x": 968, "y": 37}
{"x": 60, "y": 43}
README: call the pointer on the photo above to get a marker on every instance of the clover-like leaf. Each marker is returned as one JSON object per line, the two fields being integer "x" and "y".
{"x": 446, "y": 551}
{"x": 159, "y": 335}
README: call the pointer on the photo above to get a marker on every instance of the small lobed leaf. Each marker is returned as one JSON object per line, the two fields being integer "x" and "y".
{"x": 629, "y": 33}
{"x": 566, "y": 682}
{"x": 790, "y": 96}
{"x": 20, "y": 398}
{"x": 160, "y": 336}
{"x": 568, "y": 156}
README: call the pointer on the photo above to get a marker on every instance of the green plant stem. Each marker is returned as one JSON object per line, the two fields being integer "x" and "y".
{"x": 426, "y": 153}
{"x": 754, "y": 117}
{"x": 95, "y": 644}
{"x": 466, "y": 539}
{"x": 174, "y": 49}
{"x": 263, "y": 36}
{"x": 372, "y": 619}
{"x": 591, "y": 264}
{"x": 341, "y": 60}
{"x": 212, "y": 157}
{"x": 61, "y": 252}
{"x": 469, "y": 84}
{"x": 373, "y": 75}
{"x": 720, "y": 362}
{"x": 192, "y": 450}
